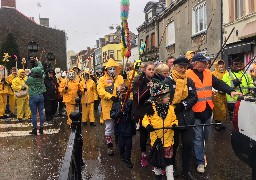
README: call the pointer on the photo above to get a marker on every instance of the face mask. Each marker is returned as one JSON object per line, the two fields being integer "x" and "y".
{"x": 71, "y": 75}
{"x": 111, "y": 71}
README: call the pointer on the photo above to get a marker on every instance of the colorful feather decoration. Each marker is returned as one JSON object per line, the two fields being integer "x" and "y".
{"x": 125, "y": 7}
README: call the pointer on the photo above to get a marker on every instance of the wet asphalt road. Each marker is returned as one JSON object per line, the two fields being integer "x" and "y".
{"x": 39, "y": 157}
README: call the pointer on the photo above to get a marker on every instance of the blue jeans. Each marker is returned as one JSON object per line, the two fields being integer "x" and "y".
{"x": 36, "y": 102}
{"x": 200, "y": 137}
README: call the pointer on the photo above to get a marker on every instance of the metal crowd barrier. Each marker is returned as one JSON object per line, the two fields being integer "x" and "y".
{"x": 73, "y": 161}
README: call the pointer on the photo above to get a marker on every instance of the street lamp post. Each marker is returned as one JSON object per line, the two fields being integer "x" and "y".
{"x": 33, "y": 48}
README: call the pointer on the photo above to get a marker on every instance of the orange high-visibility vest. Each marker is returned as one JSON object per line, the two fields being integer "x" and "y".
{"x": 204, "y": 90}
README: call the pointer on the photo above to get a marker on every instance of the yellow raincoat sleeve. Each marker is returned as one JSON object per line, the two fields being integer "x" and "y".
{"x": 81, "y": 87}
{"x": 62, "y": 86}
{"x": 145, "y": 121}
{"x": 16, "y": 84}
{"x": 95, "y": 92}
{"x": 9, "y": 79}
{"x": 101, "y": 89}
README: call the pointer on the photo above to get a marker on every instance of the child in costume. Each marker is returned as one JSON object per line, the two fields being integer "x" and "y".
{"x": 161, "y": 114}
{"x": 125, "y": 125}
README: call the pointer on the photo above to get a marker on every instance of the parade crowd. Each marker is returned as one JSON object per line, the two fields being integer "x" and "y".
{"x": 165, "y": 102}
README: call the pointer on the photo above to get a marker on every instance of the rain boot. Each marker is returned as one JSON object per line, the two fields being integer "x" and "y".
{"x": 41, "y": 130}
{"x": 20, "y": 120}
{"x": 169, "y": 172}
{"x": 158, "y": 173}
{"x": 158, "y": 177}
{"x": 92, "y": 124}
{"x": 128, "y": 163}
{"x": 110, "y": 150}
{"x": 34, "y": 131}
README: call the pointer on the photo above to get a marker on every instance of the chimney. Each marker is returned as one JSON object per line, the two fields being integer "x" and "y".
{"x": 44, "y": 22}
{"x": 8, "y": 3}
{"x": 88, "y": 50}
{"x": 98, "y": 43}
{"x": 32, "y": 18}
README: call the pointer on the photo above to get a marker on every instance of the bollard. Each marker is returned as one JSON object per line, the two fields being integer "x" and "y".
{"x": 73, "y": 160}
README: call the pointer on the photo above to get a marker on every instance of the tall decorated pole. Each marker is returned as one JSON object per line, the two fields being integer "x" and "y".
{"x": 5, "y": 60}
{"x": 23, "y": 62}
{"x": 16, "y": 62}
{"x": 125, "y": 33}
{"x": 126, "y": 44}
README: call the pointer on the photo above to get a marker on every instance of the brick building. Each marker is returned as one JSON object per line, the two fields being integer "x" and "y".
{"x": 25, "y": 29}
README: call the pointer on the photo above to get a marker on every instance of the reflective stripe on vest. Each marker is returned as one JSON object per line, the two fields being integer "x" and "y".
{"x": 204, "y": 99}
{"x": 204, "y": 90}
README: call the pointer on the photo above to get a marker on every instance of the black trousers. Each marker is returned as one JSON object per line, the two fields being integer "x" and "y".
{"x": 187, "y": 144}
{"x": 231, "y": 107}
{"x": 143, "y": 138}
{"x": 125, "y": 146}
{"x": 50, "y": 108}
{"x": 61, "y": 105}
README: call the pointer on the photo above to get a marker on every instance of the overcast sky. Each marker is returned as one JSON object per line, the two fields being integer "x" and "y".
{"x": 84, "y": 21}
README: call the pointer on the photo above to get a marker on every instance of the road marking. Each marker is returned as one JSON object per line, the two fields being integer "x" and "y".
{"x": 21, "y": 125}
{"x": 26, "y": 133}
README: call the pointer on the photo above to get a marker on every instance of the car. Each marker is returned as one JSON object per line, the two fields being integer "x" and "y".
{"x": 243, "y": 137}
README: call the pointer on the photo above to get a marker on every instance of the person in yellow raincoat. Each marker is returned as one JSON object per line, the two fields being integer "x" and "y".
{"x": 3, "y": 91}
{"x": 60, "y": 98}
{"x": 89, "y": 95}
{"x": 78, "y": 73}
{"x": 10, "y": 91}
{"x": 220, "y": 111}
{"x": 70, "y": 88}
{"x": 161, "y": 114}
{"x": 18, "y": 85}
{"x": 107, "y": 88}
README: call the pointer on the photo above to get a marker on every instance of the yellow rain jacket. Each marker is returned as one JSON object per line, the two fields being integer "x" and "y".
{"x": 18, "y": 82}
{"x": 157, "y": 122}
{"x": 91, "y": 94}
{"x": 9, "y": 80}
{"x": 219, "y": 98}
{"x": 70, "y": 95}
{"x": 106, "y": 81}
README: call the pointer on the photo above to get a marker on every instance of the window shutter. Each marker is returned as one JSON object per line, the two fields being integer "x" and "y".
{"x": 231, "y": 10}
{"x": 170, "y": 36}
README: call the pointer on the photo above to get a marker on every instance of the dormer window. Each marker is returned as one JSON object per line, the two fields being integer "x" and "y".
{"x": 111, "y": 38}
{"x": 150, "y": 14}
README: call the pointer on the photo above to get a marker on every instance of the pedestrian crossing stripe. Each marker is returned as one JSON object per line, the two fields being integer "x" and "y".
{"x": 21, "y": 125}
{"x": 26, "y": 133}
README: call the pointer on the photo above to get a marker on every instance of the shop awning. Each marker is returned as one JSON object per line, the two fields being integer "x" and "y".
{"x": 248, "y": 31}
{"x": 238, "y": 48}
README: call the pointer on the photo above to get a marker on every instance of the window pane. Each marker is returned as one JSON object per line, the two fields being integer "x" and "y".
{"x": 201, "y": 18}
{"x": 196, "y": 18}
{"x": 241, "y": 8}
{"x": 237, "y": 8}
{"x": 205, "y": 18}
